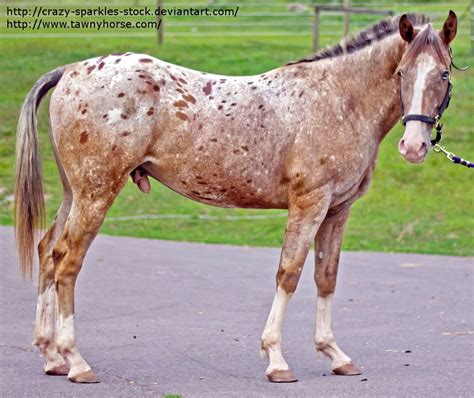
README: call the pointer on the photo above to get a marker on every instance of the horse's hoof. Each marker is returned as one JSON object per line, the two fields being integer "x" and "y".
{"x": 85, "y": 377}
{"x": 60, "y": 370}
{"x": 348, "y": 369}
{"x": 281, "y": 376}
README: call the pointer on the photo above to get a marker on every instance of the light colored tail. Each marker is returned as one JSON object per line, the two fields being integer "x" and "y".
{"x": 29, "y": 197}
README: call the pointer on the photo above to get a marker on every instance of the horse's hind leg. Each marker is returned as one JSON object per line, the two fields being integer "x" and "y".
{"x": 327, "y": 249}
{"x": 85, "y": 218}
{"x": 44, "y": 328}
{"x": 305, "y": 213}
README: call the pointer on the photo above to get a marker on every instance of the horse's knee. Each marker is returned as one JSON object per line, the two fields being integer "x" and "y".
{"x": 326, "y": 287}
{"x": 288, "y": 280}
{"x": 326, "y": 281}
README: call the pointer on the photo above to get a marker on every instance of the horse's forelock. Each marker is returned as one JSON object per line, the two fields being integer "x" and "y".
{"x": 425, "y": 38}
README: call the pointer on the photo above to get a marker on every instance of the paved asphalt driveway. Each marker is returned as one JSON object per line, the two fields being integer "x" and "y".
{"x": 158, "y": 317}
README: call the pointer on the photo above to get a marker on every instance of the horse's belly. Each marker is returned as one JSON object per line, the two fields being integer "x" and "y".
{"x": 219, "y": 182}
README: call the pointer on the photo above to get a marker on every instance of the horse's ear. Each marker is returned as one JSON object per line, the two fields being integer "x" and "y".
{"x": 450, "y": 28}
{"x": 407, "y": 31}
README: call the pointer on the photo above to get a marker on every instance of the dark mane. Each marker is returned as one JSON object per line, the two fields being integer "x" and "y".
{"x": 377, "y": 32}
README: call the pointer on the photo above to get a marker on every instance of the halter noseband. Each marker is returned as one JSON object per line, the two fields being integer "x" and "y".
{"x": 434, "y": 121}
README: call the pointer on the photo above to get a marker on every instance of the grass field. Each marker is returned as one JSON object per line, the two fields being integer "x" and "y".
{"x": 411, "y": 208}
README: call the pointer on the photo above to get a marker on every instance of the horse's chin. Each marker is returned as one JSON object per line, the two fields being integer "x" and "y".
{"x": 411, "y": 158}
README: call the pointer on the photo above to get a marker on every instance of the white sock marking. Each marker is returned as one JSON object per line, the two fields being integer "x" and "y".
{"x": 45, "y": 314}
{"x": 44, "y": 329}
{"x": 324, "y": 337}
{"x": 66, "y": 339}
{"x": 271, "y": 336}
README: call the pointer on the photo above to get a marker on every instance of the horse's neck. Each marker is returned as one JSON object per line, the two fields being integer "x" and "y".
{"x": 369, "y": 74}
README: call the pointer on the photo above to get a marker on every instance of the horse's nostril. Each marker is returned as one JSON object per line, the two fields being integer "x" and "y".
{"x": 402, "y": 147}
{"x": 424, "y": 147}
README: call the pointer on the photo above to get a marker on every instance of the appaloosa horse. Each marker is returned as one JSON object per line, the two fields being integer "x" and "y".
{"x": 302, "y": 137}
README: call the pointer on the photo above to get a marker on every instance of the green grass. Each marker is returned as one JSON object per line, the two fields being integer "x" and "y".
{"x": 410, "y": 208}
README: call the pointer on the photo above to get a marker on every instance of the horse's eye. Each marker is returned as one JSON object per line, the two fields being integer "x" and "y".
{"x": 445, "y": 75}
{"x": 400, "y": 73}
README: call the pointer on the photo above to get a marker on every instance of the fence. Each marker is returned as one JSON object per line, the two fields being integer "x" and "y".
{"x": 346, "y": 9}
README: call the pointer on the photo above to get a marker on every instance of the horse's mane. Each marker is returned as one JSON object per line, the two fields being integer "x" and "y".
{"x": 376, "y": 32}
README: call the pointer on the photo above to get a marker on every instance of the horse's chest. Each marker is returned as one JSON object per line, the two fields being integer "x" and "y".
{"x": 353, "y": 182}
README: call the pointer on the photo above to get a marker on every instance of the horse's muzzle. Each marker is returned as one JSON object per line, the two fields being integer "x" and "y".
{"x": 413, "y": 152}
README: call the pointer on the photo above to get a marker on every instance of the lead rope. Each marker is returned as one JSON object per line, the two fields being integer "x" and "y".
{"x": 438, "y": 148}
{"x": 452, "y": 157}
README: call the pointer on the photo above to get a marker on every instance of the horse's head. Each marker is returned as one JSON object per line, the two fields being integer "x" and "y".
{"x": 424, "y": 82}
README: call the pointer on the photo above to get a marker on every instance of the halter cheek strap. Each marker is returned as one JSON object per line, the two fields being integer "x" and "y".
{"x": 429, "y": 119}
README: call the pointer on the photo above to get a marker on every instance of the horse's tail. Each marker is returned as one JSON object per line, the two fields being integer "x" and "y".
{"x": 29, "y": 196}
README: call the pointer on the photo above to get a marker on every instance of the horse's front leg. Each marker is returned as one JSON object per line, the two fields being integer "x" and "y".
{"x": 327, "y": 249}
{"x": 305, "y": 213}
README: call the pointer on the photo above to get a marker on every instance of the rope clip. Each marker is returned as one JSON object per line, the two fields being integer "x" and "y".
{"x": 438, "y": 148}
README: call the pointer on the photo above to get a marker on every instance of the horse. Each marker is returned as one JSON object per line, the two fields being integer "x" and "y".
{"x": 302, "y": 137}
